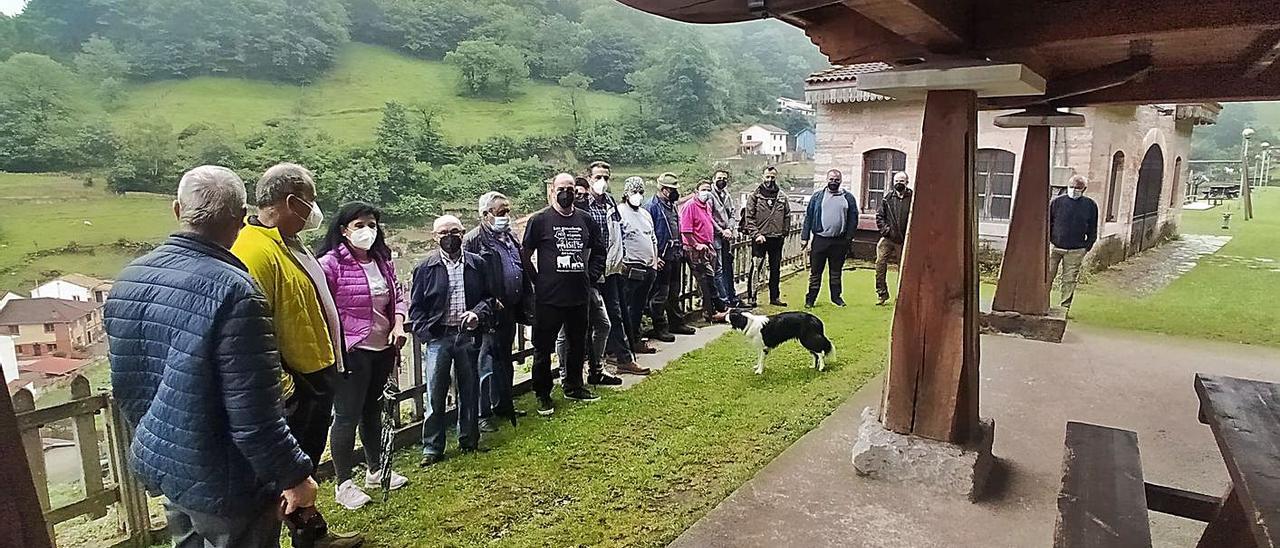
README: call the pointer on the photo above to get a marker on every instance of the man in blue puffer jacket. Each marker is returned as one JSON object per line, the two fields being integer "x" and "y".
{"x": 195, "y": 370}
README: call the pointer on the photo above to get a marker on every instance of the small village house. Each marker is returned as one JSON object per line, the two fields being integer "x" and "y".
{"x": 75, "y": 287}
{"x": 44, "y": 326}
{"x": 1134, "y": 156}
{"x": 806, "y": 143}
{"x": 764, "y": 140}
{"x": 786, "y": 104}
{"x": 9, "y": 296}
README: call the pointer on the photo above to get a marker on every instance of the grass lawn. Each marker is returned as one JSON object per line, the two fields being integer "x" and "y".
{"x": 45, "y": 211}
{"x": 347, "y": 101}
{"x": 638, "y": 467}
{"x": 1225, "y": 297}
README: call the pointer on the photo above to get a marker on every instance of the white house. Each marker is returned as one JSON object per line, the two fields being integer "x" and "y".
{"x": 9, "y": 296}
{"x": 787, "y": 104}
{"x": 763, "y": 140}
{"x": 74, "y": 287}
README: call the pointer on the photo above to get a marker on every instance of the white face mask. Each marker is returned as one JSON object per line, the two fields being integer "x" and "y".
{"x": 363, "y": 238}
{"x": 314, "y": 219}
{"x": 1075, "y": 192}
{"x": 704, "y": 195}
{"x": 502, "y": 224}
{"x": 635, "y": 199}
{"x": 600, "y": 186}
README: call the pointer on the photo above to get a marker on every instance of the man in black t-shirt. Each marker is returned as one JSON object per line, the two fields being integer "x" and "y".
{"x": 570, "y": 253}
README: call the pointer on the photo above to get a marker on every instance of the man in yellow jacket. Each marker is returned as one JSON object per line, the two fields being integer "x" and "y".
{"x": 303, "y": 311}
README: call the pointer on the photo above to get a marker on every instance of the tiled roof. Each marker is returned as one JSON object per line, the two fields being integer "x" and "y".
{"x": 838, "y": 84}
{"x": 53, "y": 365}
{"x": 44, "y": 310}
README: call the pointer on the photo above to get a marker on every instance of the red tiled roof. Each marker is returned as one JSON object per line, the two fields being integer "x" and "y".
{"x": 44, "y": 310}
{"x": 53, "y": 365}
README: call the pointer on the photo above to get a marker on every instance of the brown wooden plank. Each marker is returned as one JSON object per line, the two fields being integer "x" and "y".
{"x": 133, "y": 497}
{"x": 1230, "y": 527}
{"x": 86, "y": 431}
{"x": 1102, "y": 503}
{"x": 1182, "y": 503}
{"x": 24, "y": 523}
{"x": 39, "y": 417}
{"x": 92, "y": 505}
{"x": 931, "y": 388}
{"x": 1245, "y": 418}
{"x": 942, "y": 25}
{"x": 1024, "y": 273}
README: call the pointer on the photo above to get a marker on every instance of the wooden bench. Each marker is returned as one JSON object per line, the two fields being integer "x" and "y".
{"x": 1103, "y": 500}
{"x": 1245, "y": 418}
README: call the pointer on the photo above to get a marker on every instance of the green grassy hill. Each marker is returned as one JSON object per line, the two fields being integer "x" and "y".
{"x": 41, "y": 215}
{"x": 347, "y": 101}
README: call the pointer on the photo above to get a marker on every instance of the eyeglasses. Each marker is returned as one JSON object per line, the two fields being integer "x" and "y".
{"x": 450, "y": 232}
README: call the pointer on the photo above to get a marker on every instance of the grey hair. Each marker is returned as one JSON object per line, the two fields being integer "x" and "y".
{"x": 1078, "y": 178}
{"x": 487, "y": 199}
{"x": 209, "y": 195}
{"x": 896, "y": 173}
{"x": 280, "y": 181}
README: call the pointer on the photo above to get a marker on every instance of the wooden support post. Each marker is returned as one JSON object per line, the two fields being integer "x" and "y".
{"x": 23, "y": 513}
{"x": 1024, "y": 274}
{"x": 87, "y": 442}
{"x": 931, "y": 389}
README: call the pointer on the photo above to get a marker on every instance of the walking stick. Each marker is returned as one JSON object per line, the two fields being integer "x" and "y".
{"x": 389, "y": 410}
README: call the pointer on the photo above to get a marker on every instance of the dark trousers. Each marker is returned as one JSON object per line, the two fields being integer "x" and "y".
{"x": 451, "y": 359}
{"x": 548, "y": 321}
{"x": 635, "y": 298}
{"x": 772, "y": 249}
{"x": 828, "y": 253}
{"x": 497, "y": 370}
{"x": 357, "y": 403}
{"x": 664, "y": 300}
{"x": 619, "y": 343}
{"x": 310, "y": 411}
{"x": 191, "y": 529}
{"x": 724, "y": 280}
{"x": 702, "y": 266}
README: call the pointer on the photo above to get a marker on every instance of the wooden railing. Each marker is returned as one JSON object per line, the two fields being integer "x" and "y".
{"x": 99, "y": 493}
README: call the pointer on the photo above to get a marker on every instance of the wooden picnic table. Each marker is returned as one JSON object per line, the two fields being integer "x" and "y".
{"x": 1244, "y": 416}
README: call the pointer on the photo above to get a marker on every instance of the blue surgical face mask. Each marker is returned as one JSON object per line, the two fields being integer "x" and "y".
{"x": 502, "y": 224}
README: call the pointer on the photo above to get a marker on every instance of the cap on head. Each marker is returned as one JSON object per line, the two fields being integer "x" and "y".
{"x": 669, "y": 180}
{"x": 633, "y": 185}
{"x": 445, "y": 221}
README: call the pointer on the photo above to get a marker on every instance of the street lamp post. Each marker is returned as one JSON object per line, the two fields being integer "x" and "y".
{"x": 1245, "y": 199}
{"x": 1264, "y": 171}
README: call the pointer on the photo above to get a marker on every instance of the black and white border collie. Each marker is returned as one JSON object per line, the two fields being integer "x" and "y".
{"x": 769, "y": 332}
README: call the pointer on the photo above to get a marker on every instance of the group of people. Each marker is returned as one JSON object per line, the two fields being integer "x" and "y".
{"x": 239, "y": 353}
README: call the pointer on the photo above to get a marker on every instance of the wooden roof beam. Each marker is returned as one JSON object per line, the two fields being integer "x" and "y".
{"x": 724, "y": 11}
{"x": 940, "y": 25}
{"x": 848, "y": 37}
{"x": 1199, "y": 84}
{"x": 1034, "y": 23}
{"x": 1104, "y": 77}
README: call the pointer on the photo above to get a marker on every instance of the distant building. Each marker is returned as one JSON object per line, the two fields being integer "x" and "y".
{"x": 53, "y": 366}
{"x": 1134, "y": 156}
{"x": 8, "y": 359}
{"x": 9, "y": 296}
{"x": 806, "y": 143}
{"x": 794, "y": 105}
{"x": 44, "y": 326}
{"x": 763, "y": 140}
{"x": 75, "y": 287}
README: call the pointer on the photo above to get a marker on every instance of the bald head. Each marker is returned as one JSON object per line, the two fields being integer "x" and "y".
{"x": 561, "y": 193}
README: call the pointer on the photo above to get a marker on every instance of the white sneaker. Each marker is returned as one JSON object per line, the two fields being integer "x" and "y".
{"x": 373, "y": 480}
{"x": 350, "y": 496}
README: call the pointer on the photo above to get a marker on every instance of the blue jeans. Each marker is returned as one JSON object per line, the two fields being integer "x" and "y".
{"x": 456, "y": 354}
{"x": 619, "y": 343}
{"x": 496, "y": 369}
{"x": 724, "y": 281}
{"x": 635, "y": 299}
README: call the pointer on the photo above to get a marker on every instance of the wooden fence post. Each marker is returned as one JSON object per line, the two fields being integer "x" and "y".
{"x": 86, "y": 432}
{"x": 133, "y": 498}
{"x": 24, "y": 401}
{"x": 22, "y": 507}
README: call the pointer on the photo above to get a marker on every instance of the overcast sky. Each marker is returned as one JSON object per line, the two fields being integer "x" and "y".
{"x": 10, "y": 7}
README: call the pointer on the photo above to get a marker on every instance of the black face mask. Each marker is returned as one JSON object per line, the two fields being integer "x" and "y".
{"x": 451, "y": 244}
{"x": 721, "y": 183}
{"x": 565, "y": 197}
{"x": 899, "y": 187}
{"x": 673, "y": 195}
{"x": 581, "y": 200}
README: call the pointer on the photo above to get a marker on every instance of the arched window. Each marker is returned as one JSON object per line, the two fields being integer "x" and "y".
{"x": 1113, "y": 185}
{"x": 1175, "y": 193}
{"x": 877, "y": 172}
{"x": 994, "y": 179}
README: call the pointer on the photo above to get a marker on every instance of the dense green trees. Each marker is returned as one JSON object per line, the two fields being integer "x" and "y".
{"x": 44, "y": 123}
{"x": 488, "y": 68}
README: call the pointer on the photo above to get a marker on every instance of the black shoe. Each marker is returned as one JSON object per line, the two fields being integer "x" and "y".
{"x": 428, "y": 460}
{"x": 603, "y": 379}
{"x": 778, "y": 302}
{"x": 339, "y": 540}
{"x": 838, "y": 302}
{"x": 580, "y": 394}
{"x": 682, "y": 330}
{"x": 662, "y": 335}
{"x": 546, "y": 407}
{"x": 518, "y": 413}
{"x": 882, "y": 301}
{"x": 808, "y": 304}
{"x": 488, "y": 426}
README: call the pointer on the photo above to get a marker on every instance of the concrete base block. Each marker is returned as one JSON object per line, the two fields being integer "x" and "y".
{"x": 960, "y": 471}
{"x": 1048, "y": 328}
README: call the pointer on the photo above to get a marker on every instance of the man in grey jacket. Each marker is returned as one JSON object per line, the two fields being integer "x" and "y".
{"x": 723, "y": 212}
{"x": 891, "y": 220}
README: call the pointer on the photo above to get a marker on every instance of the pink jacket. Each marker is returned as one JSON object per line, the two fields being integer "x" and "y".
{"x": 696, "y": 225}
{"x": 350, "y": 288}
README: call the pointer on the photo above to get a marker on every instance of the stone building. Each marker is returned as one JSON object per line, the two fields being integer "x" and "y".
{"x": 1134, "y": 156}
